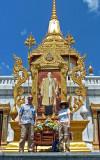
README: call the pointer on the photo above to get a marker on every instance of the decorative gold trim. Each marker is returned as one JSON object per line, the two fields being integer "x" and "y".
{"x": 78, "y": 74}
{"x": 20, "y": 79}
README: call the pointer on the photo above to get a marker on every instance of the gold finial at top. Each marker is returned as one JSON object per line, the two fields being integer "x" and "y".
{"x": 90, "y": 69}
{"x": 54, "y": 15}
{"x": 30, "y": 41}
{"x": 70, "y": 40}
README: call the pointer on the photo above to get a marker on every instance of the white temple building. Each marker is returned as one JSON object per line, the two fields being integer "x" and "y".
{"x": 91, "y": 108}
{"x": 92, "y": 84}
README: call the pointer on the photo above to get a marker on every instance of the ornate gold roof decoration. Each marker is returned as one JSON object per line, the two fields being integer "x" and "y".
{"x": 49, "y": 57}
{"x": 54, "y": 36}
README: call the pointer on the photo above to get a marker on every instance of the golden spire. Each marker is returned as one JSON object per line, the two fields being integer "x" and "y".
{"x": 54, "y": 15}
{"x": 54, "y": 26}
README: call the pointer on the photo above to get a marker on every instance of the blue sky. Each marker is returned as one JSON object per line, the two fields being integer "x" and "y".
{"x": 18, "y": 18}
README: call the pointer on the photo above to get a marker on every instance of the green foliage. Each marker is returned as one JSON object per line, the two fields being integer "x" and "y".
{"x": 48, "y": 123}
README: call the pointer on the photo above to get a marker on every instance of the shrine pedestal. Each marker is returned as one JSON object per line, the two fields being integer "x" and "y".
{"x": 77, "y": 128}
{"x": 77, "y": 144}
{"x": 16, "y": 128}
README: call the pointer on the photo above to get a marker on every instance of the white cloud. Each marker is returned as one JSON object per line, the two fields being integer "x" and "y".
{"x": 23, "y": 32}
{"x": 5, "y": 65}
{"x": 93, "y": 5}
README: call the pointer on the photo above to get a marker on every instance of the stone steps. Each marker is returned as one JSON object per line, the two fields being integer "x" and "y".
{"x": 50, "y": 156}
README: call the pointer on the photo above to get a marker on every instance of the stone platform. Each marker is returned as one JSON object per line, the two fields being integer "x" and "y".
{"x": 49, "y": 156}
{"x": 74, "y": 147}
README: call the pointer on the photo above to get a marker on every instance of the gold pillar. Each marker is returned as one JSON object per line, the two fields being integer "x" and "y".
{"x": 95, "y": 108}
{"x": 34, "y": 85}
{"x": 6, "y": 109}
{"x": 63, "y": 85}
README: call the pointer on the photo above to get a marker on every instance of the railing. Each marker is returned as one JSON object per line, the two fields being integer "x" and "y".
{"x": 10, "y": 81}
{"x": 93, "y": 80}
{"x": 89, "y": 80}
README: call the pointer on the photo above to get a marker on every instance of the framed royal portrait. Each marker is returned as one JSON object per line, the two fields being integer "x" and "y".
{"x": 49, "y": 88}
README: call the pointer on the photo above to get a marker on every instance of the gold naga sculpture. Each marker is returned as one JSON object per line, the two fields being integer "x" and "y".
{"x": 21, "y": 78}
{"x": 77, "y": 74}
{"x": 21, "y": 75}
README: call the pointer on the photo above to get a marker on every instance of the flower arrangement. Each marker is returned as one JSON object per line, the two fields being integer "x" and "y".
{"x": 51, "y": 124}
{"x": 47, "y": 124}
{"x": 39, "y": 127}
